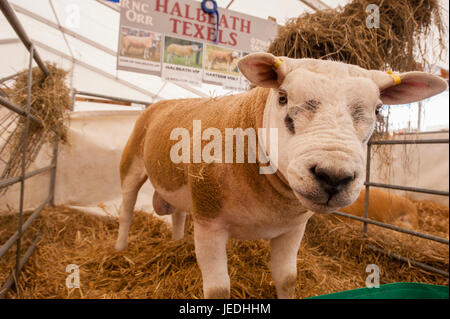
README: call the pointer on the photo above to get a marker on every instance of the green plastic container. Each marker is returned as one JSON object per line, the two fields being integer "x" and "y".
{"x": 401, "y": 290}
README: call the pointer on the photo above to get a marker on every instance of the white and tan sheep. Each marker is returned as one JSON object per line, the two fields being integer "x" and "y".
{"x": 323, "y": 113}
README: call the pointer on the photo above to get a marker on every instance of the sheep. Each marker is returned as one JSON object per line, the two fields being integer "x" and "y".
{"x": 322, "y": 112}
{"x": 387, "y": 208}
{"x": 145, "y": 43}
{"x": 182, "y": 51}
{"x": 221, "y": 56}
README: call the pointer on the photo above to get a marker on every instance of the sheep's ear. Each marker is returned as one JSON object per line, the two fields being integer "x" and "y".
{"x": 407, "y": 87}
{"x": 264, "y": 69}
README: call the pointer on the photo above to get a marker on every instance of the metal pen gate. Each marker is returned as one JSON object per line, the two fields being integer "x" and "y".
{"x": 369, "y": 184}
{"x": 25, "y": 113}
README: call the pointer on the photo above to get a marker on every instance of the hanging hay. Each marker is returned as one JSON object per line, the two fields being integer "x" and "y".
{"x": 332, "y": 258}
{"x": 341, "y": 34}
{"x": 50, "y": 98}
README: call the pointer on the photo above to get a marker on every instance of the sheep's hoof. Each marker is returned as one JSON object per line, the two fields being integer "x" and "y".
{"x": 121, "y": 246}
{"x": 176, "y": 237}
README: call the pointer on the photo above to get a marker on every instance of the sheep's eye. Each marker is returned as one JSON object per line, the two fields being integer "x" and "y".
{"x": 378, "y": 108}
{"x": 282, "y": 98}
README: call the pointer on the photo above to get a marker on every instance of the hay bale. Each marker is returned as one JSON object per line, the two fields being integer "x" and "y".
{"x": 332, "y": 258}
{"x": 341, "y": 34}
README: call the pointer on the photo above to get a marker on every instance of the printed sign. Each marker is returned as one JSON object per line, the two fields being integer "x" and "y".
{"x": 176, "y": 40}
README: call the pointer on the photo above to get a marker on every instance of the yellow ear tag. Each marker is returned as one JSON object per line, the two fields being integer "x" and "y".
{"x": 277, "y": 63}
{"x": 397, "y": 79}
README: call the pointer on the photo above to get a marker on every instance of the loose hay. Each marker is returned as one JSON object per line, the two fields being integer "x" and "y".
{"x": 341, "y": 34}
{"x": 332, "y": 258}
{"x": 50, "y": 99}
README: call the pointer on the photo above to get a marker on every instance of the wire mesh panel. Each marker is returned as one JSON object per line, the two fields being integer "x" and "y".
{"x": 15, "y": 171}
{"x": 366, "y": 220}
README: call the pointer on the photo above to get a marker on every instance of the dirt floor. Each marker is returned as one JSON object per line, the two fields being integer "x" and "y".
{"x": 333, "y": 257}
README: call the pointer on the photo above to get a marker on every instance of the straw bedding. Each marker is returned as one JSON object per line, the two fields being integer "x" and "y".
{"x": 332, "y": 257}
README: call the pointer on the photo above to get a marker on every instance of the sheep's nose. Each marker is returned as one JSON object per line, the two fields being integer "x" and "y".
{"x": 332, "y": 180}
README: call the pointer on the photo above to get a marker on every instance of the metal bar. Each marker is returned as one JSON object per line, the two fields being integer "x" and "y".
{"x": 59, "y": 27}
{"x": 29, "y": 221}
{"x": 430, "y": 141}
{"x": 312, "y": 6}
{"x": 424, "y": 132}
{"x": 229, "y": 4}
{"x": 366, "y": 198}
{"x": 15, "y": 108}
{"x": 53, "y": 173}
{"x": 10, "y": 181}
{"x": 103, "y": 96}
{"x": 410, "y": 261}
{"x": 409, "y": 189}
{"x": 10, "y": 15}
{"x": 72, "y": 107}
{"x": 395, "y": 228}
{"x": 6, "y": 78}
{"x": 10, "y": 281}
{"x": 9, "y": 41}
{"x": 24, "y": 159}
{"x": 316, "y": 5}
{"x": 419, "y": 115}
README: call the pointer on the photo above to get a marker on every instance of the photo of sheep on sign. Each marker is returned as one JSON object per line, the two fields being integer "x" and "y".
{"x": 221, "y": 60}
{"x": 183, "y": 52}
{"x": 140, "y": 44}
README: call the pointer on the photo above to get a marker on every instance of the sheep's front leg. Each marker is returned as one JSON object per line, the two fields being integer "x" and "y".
{"x": 284, "y": 251}
{"x": 210, "y": 249}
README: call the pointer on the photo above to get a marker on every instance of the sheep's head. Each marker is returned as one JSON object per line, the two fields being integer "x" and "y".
{"x": 325, "y": 113}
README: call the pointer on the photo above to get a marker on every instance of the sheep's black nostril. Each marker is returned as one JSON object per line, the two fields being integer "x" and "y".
{"x": 331, "y": 191}
{"x": 331, "y": 179}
